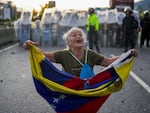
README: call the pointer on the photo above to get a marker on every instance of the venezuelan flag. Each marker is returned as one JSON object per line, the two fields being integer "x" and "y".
{"x": 65, "y": 92}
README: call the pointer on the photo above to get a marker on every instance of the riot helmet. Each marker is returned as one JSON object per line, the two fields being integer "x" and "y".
{"x": 91, "y": 10}
{"x": 128, "y": 10}
{"x": 146, "y": 13}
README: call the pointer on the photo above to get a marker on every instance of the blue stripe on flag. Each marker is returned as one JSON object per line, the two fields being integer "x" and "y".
{"x": 52, "y": 73}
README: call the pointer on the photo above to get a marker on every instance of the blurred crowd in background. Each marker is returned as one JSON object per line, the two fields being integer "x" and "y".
{"x": 49, "y": 29}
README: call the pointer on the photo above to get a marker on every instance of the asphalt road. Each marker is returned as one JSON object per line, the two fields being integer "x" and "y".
{"x": 18, "y": 94}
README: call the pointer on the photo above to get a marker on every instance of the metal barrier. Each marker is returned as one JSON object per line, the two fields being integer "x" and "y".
{"x": 54, "y": 24}
{"x": 7, "y": 35}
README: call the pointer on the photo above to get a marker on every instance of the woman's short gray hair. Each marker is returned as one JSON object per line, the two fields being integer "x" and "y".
{"x": 67, "y": 35}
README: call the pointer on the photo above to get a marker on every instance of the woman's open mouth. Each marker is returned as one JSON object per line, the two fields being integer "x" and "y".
{"x": 79, "y": 41}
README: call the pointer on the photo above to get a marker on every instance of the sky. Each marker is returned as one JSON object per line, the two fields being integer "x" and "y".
{"x": 62, "y": 4}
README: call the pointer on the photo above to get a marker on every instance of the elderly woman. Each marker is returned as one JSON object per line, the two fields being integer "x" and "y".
{"x": 73, "y": 58}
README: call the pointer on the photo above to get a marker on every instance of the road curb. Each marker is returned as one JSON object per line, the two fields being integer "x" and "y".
{"x": 10, "y": 47}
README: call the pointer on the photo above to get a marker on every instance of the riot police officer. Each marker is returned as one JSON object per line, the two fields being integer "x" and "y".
{"x": 129, "y": 26}
{"x": 145, "y": 34}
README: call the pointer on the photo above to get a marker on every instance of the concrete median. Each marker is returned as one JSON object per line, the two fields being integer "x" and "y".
{"x": 7, "y": 35}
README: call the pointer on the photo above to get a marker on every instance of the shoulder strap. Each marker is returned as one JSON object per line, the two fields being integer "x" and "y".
{"x": 78, "y": 59}
{"x": 86, "y": 56}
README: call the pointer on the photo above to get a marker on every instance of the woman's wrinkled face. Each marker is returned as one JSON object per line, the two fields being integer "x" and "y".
{"x": 76, "y": 39}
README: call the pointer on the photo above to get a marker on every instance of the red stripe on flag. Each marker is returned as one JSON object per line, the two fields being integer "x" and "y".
{"x": 74, "y": 83}
{"x": 90, "y": 107}
{"x": 100, "y": 77}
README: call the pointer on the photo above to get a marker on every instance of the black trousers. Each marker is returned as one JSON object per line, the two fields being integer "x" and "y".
{"x": 130, "y": 39}
{"x": 93, "y": 40}
{"x": 145, "y": 36}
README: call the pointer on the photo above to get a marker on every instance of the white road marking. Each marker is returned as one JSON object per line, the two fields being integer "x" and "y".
{"x": 5, "y": 49}
{"x": 140, "y": 81}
